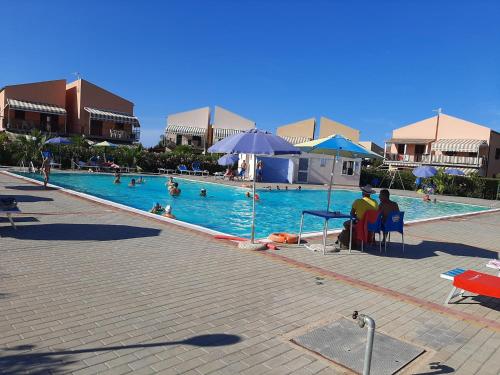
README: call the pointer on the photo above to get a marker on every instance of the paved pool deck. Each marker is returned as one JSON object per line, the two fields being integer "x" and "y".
{"x": 87, "y": 289}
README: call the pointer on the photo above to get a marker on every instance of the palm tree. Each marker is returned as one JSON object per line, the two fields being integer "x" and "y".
{"x": 29, "y": 147}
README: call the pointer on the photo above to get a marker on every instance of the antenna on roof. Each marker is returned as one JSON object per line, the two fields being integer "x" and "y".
{"x": 77, "y": 74}
{"x": 439, "y": 110}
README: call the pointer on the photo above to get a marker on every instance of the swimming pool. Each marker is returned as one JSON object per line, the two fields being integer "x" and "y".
{"x": 226, "y": 209}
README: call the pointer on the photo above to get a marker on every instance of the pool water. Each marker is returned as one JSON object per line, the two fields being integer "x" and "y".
{"x": 228, "y": 210}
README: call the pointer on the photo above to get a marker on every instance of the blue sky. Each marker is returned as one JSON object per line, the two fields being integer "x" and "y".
{"x": 373, "y": 65}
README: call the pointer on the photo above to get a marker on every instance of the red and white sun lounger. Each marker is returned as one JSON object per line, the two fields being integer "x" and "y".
{"x": 472, "y": 281}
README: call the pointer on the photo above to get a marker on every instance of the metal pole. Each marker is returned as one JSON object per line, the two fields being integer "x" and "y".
{"x": 253, "y": 199}
{"x": 331, "y": 180}
{"x": 362, "y": 321}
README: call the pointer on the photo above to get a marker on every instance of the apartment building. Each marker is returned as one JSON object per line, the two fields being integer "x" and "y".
{"x": 445, "y": 141}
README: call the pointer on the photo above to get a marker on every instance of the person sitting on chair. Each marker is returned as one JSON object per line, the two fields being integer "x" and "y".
{"x": 386, "y": 206}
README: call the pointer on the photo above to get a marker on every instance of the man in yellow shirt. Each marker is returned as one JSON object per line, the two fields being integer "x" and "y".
{"x": 366, "y": 203}
{"x": 359, "y": 208}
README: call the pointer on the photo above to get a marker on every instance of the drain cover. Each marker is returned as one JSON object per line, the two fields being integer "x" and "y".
{"x": 344, "y": 342}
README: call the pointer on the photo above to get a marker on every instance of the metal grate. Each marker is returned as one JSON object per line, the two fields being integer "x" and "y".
{"x": 343, "y": 342}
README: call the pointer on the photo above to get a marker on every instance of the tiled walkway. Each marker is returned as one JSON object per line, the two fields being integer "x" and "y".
{"x": 88, "y": 289}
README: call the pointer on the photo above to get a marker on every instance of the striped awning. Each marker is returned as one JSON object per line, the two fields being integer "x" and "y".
{"x": 223, "y": 133}
{"x": 106, "y": 115}
{"x": 185, "y": 130}
{"x": 35, "y": 107}
{"x": 295, "y": 140}
{"x": 459, "y": 145}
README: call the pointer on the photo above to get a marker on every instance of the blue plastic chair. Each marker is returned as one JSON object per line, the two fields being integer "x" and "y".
{"x": 196, "y": 167}
{"x": 376, "y": 228}
{"x": 394, "y": 223}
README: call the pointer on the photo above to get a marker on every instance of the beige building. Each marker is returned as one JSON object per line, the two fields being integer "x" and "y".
{"x": 298, "y": 132}
{"x": 194, "y": 128}
{"x": 371, "y": 146}
{"x": 329, "y": 127}
{"x": 39, "y": 105}
{"x": 99, "y": 114}
{"x": 445, "y": 141}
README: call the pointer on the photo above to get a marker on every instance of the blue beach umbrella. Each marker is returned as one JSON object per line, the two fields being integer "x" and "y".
{"x": 424, "y": 171}
{"x": 58, "y": 141}
{"x": 454, "y": 172}
{"x": 228, "y": 159}
{"x": 336, "y": 145}
{"x": 254, "y": 142}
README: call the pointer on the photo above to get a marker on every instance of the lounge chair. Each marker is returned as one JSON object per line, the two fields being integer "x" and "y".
{"x": 471, "y": 281}
{"x": 82, "y": 165}
{"x": 183, "y": 169}
{"x": 166, "y": 171}
{"x": 196, "y": 169}
{"x": 8, "y": 206}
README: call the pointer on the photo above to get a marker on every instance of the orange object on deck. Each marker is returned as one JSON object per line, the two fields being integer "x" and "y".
{"x": 479, "y": 283}
{"x": 284, "y": 237}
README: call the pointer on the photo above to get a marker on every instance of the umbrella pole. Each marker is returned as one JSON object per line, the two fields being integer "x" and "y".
{"x": 252, "y": 238}
{"x": 331, "y": 182}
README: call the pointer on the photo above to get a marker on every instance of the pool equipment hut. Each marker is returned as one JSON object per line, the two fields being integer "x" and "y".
{"x": 336, "y": 145}
{"x": 258, "y": 143}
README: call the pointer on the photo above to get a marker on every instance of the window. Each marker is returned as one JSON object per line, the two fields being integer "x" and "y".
{"x": 357, "y": 167}
{"x": 401, "y": 148}
{"x": 178, "y": 140}
{"x": 19, "y": 115}
{"x": 419, "y": 149}
{"x": 348, "y": 168}
{"x": 322, "y": 162}
{"x": 497, "y": 154}
{"x": 196, "y": 140}
{"x": 119, "y": 125}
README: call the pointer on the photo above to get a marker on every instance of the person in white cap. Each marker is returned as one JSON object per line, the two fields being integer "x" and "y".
{"x": 168, "y": 212}
{"x": 359, "y": 208}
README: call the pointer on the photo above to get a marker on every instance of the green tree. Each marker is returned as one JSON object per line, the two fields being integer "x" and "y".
{"x": 28, "y": 148}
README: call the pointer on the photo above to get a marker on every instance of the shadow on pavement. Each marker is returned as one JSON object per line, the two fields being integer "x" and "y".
{"x": 79, "y": 232}
{"x": 54, "y": 362}
{"x": 29, "y": 187}
{"x": 437, "y": 368}
{"x": 427, "y": 249}
{"x": 28, "y": 198}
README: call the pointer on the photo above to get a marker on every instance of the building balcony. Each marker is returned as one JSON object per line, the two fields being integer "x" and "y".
{"x": 119, "y": 136}
{"x": 437, "y": 160}
{"x": 27, "y": 126}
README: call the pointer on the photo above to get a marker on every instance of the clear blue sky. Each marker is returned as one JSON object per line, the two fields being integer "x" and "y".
{"x": 373, "y": 65}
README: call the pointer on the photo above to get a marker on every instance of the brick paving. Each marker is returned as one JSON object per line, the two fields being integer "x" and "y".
{"x": 88, "y": 289}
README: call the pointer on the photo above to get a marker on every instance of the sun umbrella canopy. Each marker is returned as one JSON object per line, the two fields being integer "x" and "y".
{"x": 454, "y": 172}
{"x": 228, "y": 159}
{"x": 337, "y": 145}
{"x": 424, "y": 171}
{"x": 58, "y": 141}
{"x": 255, "y": 142}
{"x": 105, "y": 144}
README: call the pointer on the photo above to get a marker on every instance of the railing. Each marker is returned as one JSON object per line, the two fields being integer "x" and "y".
{"x": 404, "y": 158}
{"x": 26, "y": 126}
{"x": 436, "y": 159}
{"x": 458, "y": 160}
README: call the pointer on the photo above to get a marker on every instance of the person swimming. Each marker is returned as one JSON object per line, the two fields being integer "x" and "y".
{"x": 168, "y": 212}
{"x": 203, "y": 192}
{"x": 140, "y": 180}
{"x": 278, "y": 187}
{"x": 174, "y": 190}
{"x": 132, "y": 183}
{"x": 170, "y": 182}
{"x": 157, "y": 209}
{"x": 117, "y": 177}
{"x": 249, "y": 195}
{"x": 426, "y": 198}
{"x": 299, "y": 188}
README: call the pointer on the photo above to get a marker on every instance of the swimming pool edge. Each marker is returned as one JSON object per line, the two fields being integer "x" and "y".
{"x": 120, "y": 206}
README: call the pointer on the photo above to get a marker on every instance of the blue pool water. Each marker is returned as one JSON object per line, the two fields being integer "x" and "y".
{"x": 226, "y": 209}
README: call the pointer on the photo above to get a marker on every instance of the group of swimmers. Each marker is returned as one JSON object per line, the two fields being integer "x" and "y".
{"x": 133, "y": 181}
{"x": 164, "y": 211}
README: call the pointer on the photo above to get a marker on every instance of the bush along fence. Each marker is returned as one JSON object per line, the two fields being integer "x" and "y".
{"x": 472, "y": 186}
{"x": 26, "y": 150}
